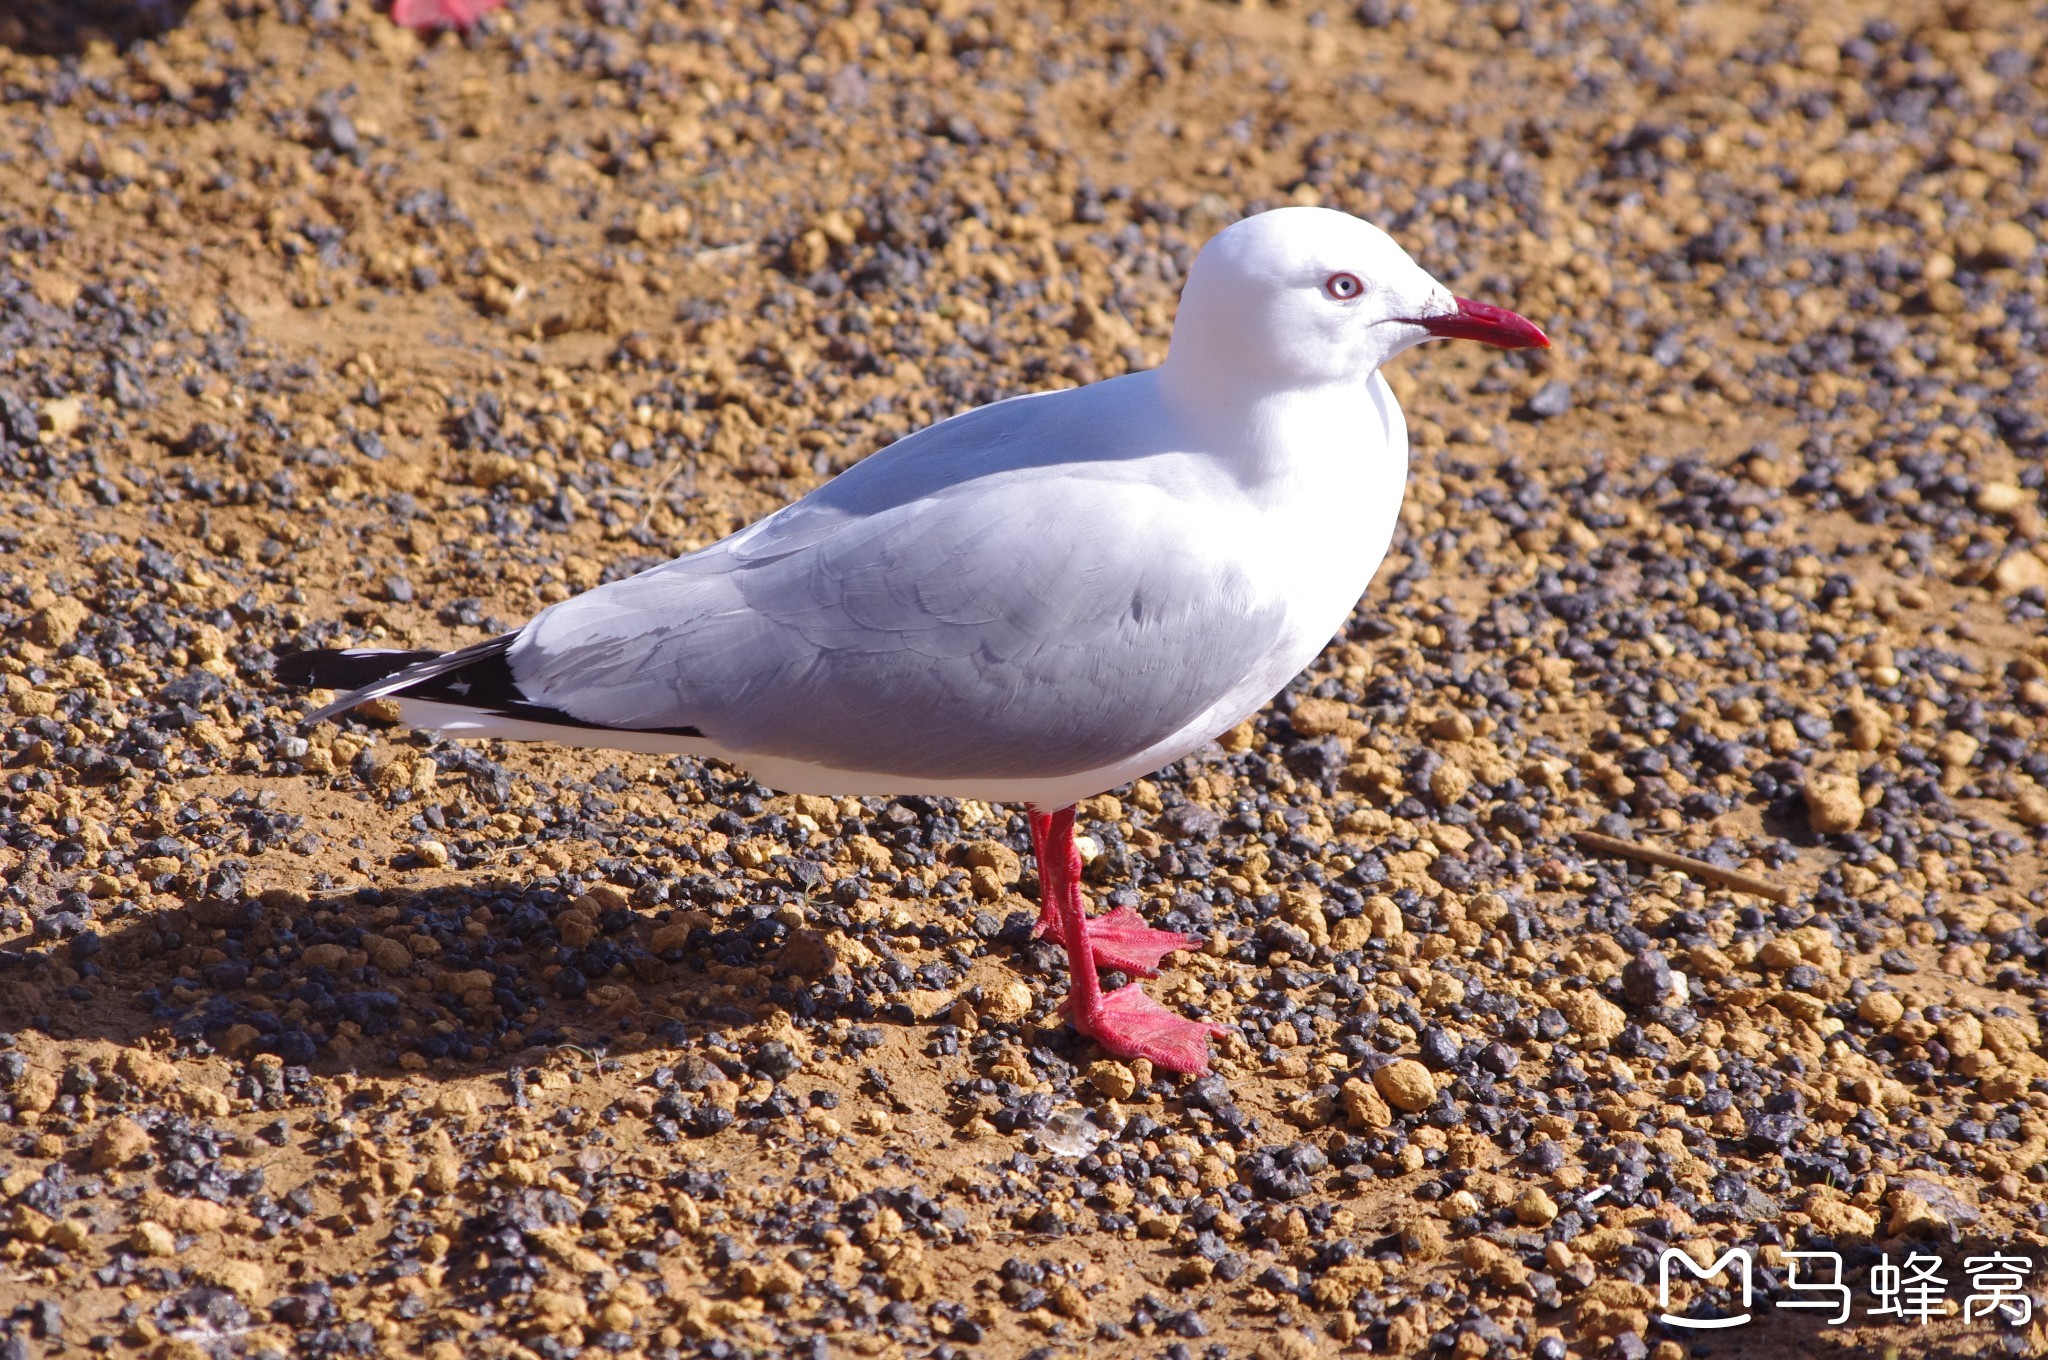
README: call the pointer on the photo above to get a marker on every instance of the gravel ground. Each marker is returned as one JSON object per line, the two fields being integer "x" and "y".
{"x": 352, "y": 1043}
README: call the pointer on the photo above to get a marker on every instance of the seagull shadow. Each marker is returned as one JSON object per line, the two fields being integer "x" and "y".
{"x": 469, "y": 976}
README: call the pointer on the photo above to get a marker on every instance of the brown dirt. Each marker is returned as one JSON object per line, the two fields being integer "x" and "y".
{"x": 313, "y": 322}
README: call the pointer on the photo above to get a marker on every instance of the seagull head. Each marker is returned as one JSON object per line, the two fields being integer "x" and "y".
{"x": 1305, "y": 297}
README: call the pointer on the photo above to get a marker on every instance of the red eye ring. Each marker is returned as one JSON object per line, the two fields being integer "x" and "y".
{"x": 1343, "y": 287}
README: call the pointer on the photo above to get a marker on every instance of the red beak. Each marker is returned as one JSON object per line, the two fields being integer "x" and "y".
{"x": 1489, "y": 325}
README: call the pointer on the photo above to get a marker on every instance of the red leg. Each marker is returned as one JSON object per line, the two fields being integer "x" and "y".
{"x": 1048, "y": 914}
{"x": 1126, "y": 1022}
{"x": 1120, "y": 940}
{"x": 1070, "y": 921}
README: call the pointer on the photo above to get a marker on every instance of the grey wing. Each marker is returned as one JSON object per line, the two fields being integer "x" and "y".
{"x": 938, "y": 638}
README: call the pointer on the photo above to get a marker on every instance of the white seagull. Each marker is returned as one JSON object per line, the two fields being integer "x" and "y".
{"x": 1032, "y": 602}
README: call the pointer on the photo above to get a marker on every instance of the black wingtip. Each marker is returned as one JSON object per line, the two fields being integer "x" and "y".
{"x": 477, "y": 678}
{"x": 347, "y": 669}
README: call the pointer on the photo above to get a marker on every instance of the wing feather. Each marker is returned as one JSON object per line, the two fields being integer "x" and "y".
{"x": 967, "y": 606}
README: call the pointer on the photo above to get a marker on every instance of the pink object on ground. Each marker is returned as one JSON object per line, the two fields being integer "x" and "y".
{"x": 1125, "y": 1022}
{"x": 423, "y": 14}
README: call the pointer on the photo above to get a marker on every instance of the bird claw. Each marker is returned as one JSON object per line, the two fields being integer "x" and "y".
{"x": 1122, "y": 940}
{"x": 1130, "y": 1024}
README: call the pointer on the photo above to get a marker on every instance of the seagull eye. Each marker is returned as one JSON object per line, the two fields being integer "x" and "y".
{"x": 1343, "y": 287}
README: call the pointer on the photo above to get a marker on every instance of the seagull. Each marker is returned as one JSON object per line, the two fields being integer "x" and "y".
{"x": 1034, "y": 602}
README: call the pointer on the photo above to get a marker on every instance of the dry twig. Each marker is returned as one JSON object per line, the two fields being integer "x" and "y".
{"x": 1737, "y": 879}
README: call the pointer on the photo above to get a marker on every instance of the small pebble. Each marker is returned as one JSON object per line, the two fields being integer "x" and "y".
{"x": 1554, "y": 398}
{"x": 1406, "y": 1085}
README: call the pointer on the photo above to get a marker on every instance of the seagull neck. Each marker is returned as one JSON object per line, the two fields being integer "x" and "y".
{"x": 1268, "y": 425}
